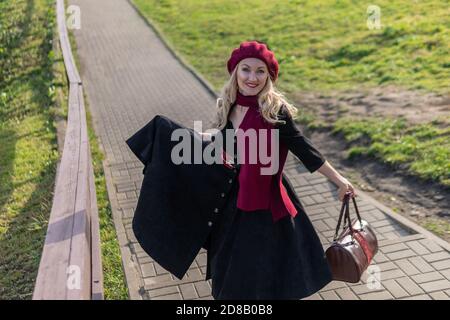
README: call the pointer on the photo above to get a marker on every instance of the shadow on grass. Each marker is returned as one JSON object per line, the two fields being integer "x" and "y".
{"x": 24, "y": 230}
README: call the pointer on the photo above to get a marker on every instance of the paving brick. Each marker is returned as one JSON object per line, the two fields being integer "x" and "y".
{"x": 421, "y": 264}
{"x": 417, "y": 247}
{"x": 393, "y": 248}
{"x": 162, "y": 291}
{"x": 401, "y": 254}
{"x": 439, "y": 295}
{"x": 188, "y": 291}
{"x": 148, "y": 270}
{"x": 426, "y": 277}
{"x": 331, "y": 223}
{"x": 395, "y": 289}
{"x": 385, "y": 266}
{"x": 160, "y": 270}
{"x": 206, "y": 298}
{"x": 334, "y": 285}
{"x": 385, "y": 229}
{"x": 430, "y": 245}
{"x": 419, "y": 297}
{"x": 364, "y": 288}
{"x": 435, "y": 285}
{"x": 410, "y": 286}
{"x": 314, "y": 296}
{"x": 194, "y": 275}
{"x": 318, "y": 198}
{"x": 203, "y": 288}
{"x": 158, "y": 279}
{"x": 329, "y": 295}
{"x": 381, "y": 223}
{"x": 390, "y": 235}
{"x": 320, "y": 226}
{"x": 443, "y": 255}
{"x": 407, "y": 267}
{"x": 307, "y": 200}
{"x": 382, "y": 295}
{"x": 346, "y": 294}
{"x": 131, "y": 195}
{"x": 121, "y": 196}
{"x": 176, "y": 296}
{"x": 391, "y": 274}
{"x": 201, "y": 259}
{"x": 439, "y": 265}
{"x": 446, "y": 273}
{"x": 380, "y": 257}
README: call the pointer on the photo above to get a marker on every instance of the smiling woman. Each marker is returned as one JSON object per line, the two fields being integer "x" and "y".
{"x": 260, "y": 242}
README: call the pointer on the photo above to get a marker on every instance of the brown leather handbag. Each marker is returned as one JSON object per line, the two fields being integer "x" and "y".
{"x": 350, "y": 254}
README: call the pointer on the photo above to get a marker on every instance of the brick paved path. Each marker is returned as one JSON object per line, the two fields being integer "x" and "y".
{"x": 130, "y": 76}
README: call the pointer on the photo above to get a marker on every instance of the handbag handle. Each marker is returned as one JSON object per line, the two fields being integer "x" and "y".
{"x": 346, "y": 205}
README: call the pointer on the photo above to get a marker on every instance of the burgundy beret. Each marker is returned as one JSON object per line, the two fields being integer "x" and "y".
{"x": 254, "y": 49}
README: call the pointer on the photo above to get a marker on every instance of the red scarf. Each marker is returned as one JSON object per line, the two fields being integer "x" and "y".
{"x": 258, "y": 191}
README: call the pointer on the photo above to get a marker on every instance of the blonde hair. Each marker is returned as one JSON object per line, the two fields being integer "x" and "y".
{"x": 270, "y": 101}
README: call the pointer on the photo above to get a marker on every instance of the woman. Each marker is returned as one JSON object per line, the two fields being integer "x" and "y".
{"x": 265, "y": 247}
{"x": 260, "y": 243}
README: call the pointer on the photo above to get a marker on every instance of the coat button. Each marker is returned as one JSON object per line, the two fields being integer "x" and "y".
{"x": 216, "y": 210}
{"x": 230, "y": 181}
{"x": 222, "y": 195}
{"x": 209, "y": 223}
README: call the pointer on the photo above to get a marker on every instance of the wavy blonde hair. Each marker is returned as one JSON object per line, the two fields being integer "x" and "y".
{"x": 270, "y": 101}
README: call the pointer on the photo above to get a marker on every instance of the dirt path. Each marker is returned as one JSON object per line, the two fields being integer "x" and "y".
{"x": 389, "y": 101}
{"x": 423, "y": 202}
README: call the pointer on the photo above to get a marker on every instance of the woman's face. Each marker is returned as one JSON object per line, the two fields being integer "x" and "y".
{"x": 251, "y": 75}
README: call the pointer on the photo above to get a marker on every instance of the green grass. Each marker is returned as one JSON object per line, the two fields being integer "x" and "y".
{"x": 423, "y": 150}
{"x": 320, "y": 45}
{"x": 33, "y": 93}
{"x": 325, "y": 46}
{"x": 28, "y": 146}
{"x": 114, "y": 277}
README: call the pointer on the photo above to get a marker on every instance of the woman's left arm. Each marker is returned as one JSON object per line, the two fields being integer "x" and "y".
{"x": 313, "y": 160}
{"x": 343, "y": 184}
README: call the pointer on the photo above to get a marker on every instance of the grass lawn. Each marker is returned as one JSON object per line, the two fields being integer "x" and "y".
{"x": 320, "y": 45}
{"x": 28, "y": 146}
{"x": 325, "y": 46}
{"x": 33, "y": 94}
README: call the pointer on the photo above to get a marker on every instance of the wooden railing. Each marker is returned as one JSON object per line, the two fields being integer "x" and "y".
{"x": 71, "y": 266}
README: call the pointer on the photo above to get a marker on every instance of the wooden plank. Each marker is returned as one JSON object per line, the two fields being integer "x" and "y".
{"x": 70, "y": 266}
{"x": 80, "y": 255}
{"x": 51, "y": 279}
{"x": 96, "y": 255}
{"x": 69, "y": 61}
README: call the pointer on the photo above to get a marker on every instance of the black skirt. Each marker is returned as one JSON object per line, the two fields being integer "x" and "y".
{"x": 251, "y": 257}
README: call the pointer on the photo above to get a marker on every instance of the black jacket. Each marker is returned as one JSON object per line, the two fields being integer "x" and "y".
{"x": 178, "y": 204}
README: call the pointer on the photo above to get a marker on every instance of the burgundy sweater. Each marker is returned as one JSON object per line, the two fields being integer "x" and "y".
{"x": 258, "y": 191}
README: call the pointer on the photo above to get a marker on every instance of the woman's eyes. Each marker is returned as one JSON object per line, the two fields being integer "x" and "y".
{"x": 260, "y": 71}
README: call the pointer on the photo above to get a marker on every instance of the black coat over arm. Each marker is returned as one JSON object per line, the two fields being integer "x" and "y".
{"x": 179, "y": 203}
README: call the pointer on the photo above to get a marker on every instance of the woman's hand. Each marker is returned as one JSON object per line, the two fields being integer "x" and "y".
{"x": 344, "y": 187}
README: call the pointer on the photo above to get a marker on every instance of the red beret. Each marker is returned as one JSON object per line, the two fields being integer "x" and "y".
{"x": 254, "y": 49}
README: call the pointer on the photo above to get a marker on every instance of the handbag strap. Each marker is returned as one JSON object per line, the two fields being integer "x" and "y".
{"x": 346, "y": 207}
